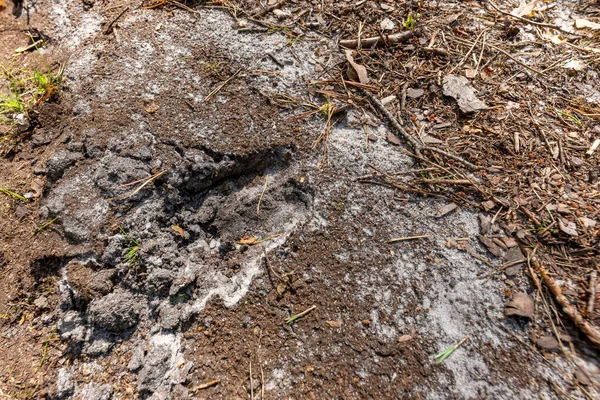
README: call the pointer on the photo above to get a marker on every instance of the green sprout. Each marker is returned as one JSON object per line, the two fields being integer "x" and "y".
{"x": 293, "y": 318}
{"x": 133, "y": 246}
{"x": 411, "y": 22}
{"x": 567, "y": 115}
{"x": 448, "y": 352}
{"x": 177, "y": 298}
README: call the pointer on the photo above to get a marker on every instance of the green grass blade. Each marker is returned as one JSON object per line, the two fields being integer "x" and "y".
{"x": 12, "y": 194}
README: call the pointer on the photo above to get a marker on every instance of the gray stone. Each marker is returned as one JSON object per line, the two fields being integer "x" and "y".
{"x": 156, "y": 363}
{"x": 207, "y": 212}
{"x": 514, "y": 254}
{"x": 47, "y": 319}
{"x": 514, "y": 270}
{"x": 59, "y": 162}
{"x": 169, "y": 316}
{"x": 101, "y": 344}
{"x": 114, "y": 171}
{"x": 115, "y": 312}
{"x": 94, "y": 391}
{"x": 41, "y": 302}
{"x": 135, "y": 363}
{"x": 113, "y": 253}
{"x": 459, "y": 88}
{"x": 64, "y": 383}
{"x": 72, "y": 327}
{"x": 159, "y": 281}
{"x": 101, "y": 281}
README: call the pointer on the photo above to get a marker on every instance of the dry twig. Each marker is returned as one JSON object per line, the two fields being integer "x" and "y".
{"x": 585, "y": 327}
{"x": 417, "y": 147}
{"x": 590, "y": 308}
{"x": 109, "y": 28}
{"x": 387, "y": 40}
{"x": 543, "y": 24}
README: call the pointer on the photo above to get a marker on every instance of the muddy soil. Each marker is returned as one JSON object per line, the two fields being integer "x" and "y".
{"x": 193, "y": 217}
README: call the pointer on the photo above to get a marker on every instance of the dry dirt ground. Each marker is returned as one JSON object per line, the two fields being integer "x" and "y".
{"x": 192, "y": 217}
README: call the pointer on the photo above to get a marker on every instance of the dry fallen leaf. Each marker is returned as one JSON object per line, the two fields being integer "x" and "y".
{"x": 281, "y": 288}
{"x": 334, "y": 324}
{"x": 547, "y": 343}
{"x": 428, "y": 139}
{"x": 575, "y": 65}
{"x": 582, "y": 377}
{"x": 387, "y": 25}
{"x": 247, "y": 239}
{"x": 548, "y": 35}
{"x": 151, "y": 108}
{"x": 587, "y": 222}
{"x": 404, "y": 338}
{"x": 567, "y": 227}
{"x": 521, "y": 305}
{"x": 178, "y": 229}
{"x": 360, "y": 70}
{"x": 584, "y": 23}
{"x": 525, "y": 9}
{"x": 393, "y": 139}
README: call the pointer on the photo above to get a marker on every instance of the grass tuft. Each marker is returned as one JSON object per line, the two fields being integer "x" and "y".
{"x": 132, "y": 255}
{"x": 26, "y": 88}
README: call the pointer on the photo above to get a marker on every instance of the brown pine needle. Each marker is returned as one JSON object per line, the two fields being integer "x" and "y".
{"x": 262, "y": 194}
{"x": 207, "y": 384}
{"x": 136, "y": 190}
{"x": 211, "y": 94}
{"x": 401, "y": 239}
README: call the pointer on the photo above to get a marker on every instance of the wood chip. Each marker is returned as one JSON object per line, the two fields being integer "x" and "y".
{"x": 509, "y": 242}
{"x": 488, "y": 205}
{"x": 490, "y": 245}
{"x": 547, "y": 343}
{"x": 447, "y": 209}
{"x": 404, "y": 338}
{"x": 387, "y": 100}
{"x": 414, "y": 93}
{"x": 593, "y": 147}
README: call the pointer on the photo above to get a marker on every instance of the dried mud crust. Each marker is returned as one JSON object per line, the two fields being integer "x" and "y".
{"x": 196, "y": 305}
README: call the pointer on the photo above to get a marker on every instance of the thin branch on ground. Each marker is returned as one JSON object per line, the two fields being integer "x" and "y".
{"x": 416, "y": 146}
